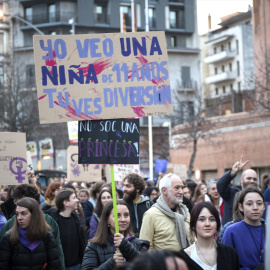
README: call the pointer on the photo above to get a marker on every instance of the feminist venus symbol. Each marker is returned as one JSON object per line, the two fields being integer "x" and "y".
{"x": 19, "y": 166}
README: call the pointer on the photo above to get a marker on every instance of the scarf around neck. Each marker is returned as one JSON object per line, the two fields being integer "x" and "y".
{"x": 177, "y": 218}
{"x": 25, "y": 242}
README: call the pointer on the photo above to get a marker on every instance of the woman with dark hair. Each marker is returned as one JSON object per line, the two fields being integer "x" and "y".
{"x": 29, "y": 244}
{"x": 50, "y": 194}
{"x": 206, "y": 253}
{"x": 103, "y": 197}
{"x": 151, "y": 192}
{"x": 101, "y": 250}
{"x": 248, "y": 236}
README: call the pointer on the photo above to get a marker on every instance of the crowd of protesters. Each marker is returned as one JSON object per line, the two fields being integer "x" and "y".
{"x": 167, "y": 224}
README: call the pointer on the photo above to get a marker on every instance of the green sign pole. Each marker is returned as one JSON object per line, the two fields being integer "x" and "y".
{"x": 114, "y": 202}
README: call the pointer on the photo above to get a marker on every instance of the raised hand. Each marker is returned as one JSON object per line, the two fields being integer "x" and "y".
{"x": 118, "y": 258}
{"x": 118, "y": 237}
{"x": 238, "y": 166}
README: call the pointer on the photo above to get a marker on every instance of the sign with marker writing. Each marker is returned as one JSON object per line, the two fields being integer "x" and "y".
{"x": 102, "y": 76}
{"x": 81, "y": 172}
{"x": 13, "y": 160}
{"x": 121, "y": 170}
{"x": 109, "y": 141}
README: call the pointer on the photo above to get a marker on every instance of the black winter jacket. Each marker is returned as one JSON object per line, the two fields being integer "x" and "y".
{"x": 20, "y": 257}
{"x": 227, "y": 192}
{"x": 136, "y": 211}
{"x": 227, "y": 258}
{"x": 54, "y": 213}
{"x": 101, "y": 257}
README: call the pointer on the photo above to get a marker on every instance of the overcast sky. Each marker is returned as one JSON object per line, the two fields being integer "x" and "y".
{"x": 217, "y": 9}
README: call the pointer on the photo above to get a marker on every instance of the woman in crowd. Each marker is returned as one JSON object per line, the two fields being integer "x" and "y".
{"x": 94, "y": 192}
{"x": 187, "y": 192}
{"x": 200, "y": 190}
{"x": 237, "y": 216}
{"x": 151, "y": 192}
{"x": 83, "y": 196}
{"x": 206, "y": 253}
{"x": 103, "y": 198}
{"x": 248, "y": 236}
{"x": 101, "y": 250}
{"x": 50, "y": 195}
{"x": 29, "y": 244}
{"x": 213, "y": 196}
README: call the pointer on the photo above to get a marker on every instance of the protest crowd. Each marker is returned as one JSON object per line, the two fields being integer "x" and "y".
{"x": 166, "y": 224}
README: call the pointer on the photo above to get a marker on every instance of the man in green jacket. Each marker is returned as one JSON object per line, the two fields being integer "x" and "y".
{"x": 26, "y": 190}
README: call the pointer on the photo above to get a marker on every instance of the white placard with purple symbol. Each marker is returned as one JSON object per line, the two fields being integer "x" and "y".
{"x": 13, "y": 160}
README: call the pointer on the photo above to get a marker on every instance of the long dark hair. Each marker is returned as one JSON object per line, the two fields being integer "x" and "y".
{"x": 99, "y": 206}
{"x": 194, "y": 215}
{"x": 103, "y": 231}
{"x": 38, "y": 227}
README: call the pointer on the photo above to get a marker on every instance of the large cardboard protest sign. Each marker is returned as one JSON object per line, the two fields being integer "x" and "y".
{"x": 13, "y": 160}
{"x": 79, "y": 172}
{"x": 109, "y": 141}
{"x": 102, "y": 76}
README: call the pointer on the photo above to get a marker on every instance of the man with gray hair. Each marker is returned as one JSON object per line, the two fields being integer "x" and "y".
{"x": 166, "y": 224}
{"x": 227, "y": 192}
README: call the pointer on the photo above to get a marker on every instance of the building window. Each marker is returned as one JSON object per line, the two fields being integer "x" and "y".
{"x": 173, "y": 41}
{"x": 152, "y": 17}
{"x": 238, "y": 68}
{"x": 173, "y": 19}
{"x": 29, "y": 14}
{"x": 237, "y": 46}
{"x": 223, "y": 68}
{"x": 177, "y": 18}
{"x": 185, "y": 74}
{"x": 52, "y": 13}
{"x": 230, "y": 66}
{"x": 215, "y": 50}
{"x": 126, "y": 10}
{"x": 229, "y": 46}
{"x": 30, "y": 75}
{"x": 231, "y": 86}
{"x": 101, "y": 14}
{"x": 145, "y": 120}
{"x": 222, "y": 48}
{"x": 217, "y": 91}
{"x": 224, "y": 89}
{"x": 216, "y": 70}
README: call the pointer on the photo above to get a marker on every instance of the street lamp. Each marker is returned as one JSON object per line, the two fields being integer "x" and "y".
{"x": 2, "y": 14}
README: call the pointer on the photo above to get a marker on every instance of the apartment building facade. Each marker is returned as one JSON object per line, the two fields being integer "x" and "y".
{"x": 229, "y": 84}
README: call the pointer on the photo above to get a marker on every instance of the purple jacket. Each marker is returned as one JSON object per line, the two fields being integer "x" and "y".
{"x": 93, "y": 225}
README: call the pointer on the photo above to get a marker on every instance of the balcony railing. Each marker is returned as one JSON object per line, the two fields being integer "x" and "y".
{"x": 220, "y": 57}
{"x": 61, "y": 16}
{"x": 221, "y": 77}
